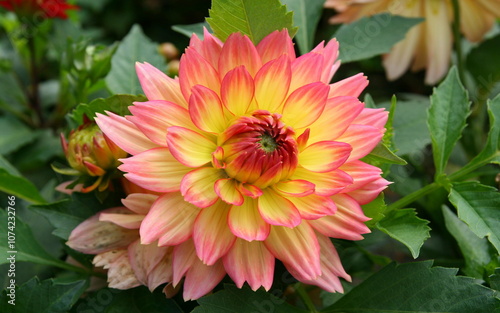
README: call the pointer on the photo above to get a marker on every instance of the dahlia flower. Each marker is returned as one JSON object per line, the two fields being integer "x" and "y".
{"x": 39, "y": 8}
{"x": 256, "y": 157}
{"x": 427, "y": 45}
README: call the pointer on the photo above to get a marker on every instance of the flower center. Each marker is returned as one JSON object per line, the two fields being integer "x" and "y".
{"x": 259, "y": 149}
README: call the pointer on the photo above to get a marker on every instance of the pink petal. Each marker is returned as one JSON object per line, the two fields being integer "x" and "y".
{"x": 271, "y": 84}
{"x": 124, "y": 133}
{"x": 251, "y": 262}
{"x": 326, "y": 184}
{"x": 238, "y": 50}
{"x": 155, "y": 170}
{"x": 330, "y": 54}
{"x": 197, "y": 187}
{"x": 162, "y": 272}
{"x": 189, "y": 147}
{"x": 350, "y": 86}
{"x": 158, "y": 86}
{"x": 362, "y": 138}
{"x": 212, "y": 236}
{"x": 277, "y": 210}
{"x": 276, "y": 44}
{"x": 201, "y": 279}
{"x": 183, "y": 259}
{"x": 313, "y": 206}
{"x": 347, "y": 223}
{"x": 305, "y": 105}
{"x": 324, "y": 156}
{"x": 368, "y": 192}
{"x": 143, "y": 258}
{"x": 140, "y": 203}
{"x": 306, "y": 69}
{"x": 195, "y": 70}
{"x": 154, "y": 117}
{"x": 93, "y": 236}
{"x": 361, "y": 173}
{"x": 209, "y": 48}
{"x": 129, "y": 221}
{"x": 206, "y": 110}
{"x": 372, "y": 117}
{"x": 245, "y": 221}
{"x": 170, "y": 220}
{"x": 297, "y": 248}
{"x": 237, "y": 90}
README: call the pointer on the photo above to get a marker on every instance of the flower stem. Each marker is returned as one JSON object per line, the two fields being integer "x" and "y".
{"x": 458, "y": 40}
{"x": 77, "y": 269}
{"x": 299, "y": 287}
{"x": 33, "y": 93}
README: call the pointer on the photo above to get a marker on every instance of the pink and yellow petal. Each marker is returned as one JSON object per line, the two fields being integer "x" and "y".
{"x": 275, "y": 45}
{"x": 155, "y": 169}
{"x": 271, "y": 84}
{"x": 201, "y": 279}
{"x": 189, "y": 147}
{"x": 305, "y": 105}
{"x": 361, "y": 173}
{"x": 306, "y": 69}
{"x": 326, "y": 184}
{"x": 195, "y": 70}
{"x": 129, "y": 221}
{"x": 238, "y": 50}
{"x": 350, "y": 86}
{"x": 124, "y": 133}
{"x": 212, "y": 236}
{"x": 206, "y": 111}
{"x": 368, "y": 192}
{"x": 362, "y": 139}
{"x": 158, "y": 86}
{"x": 312, "y": 207}
{"x": 209, "y": 48}
{"x": 170, "y": 221}
{"x": 139, "y": 203}
{"x": 198, "y": 186}
{"x": 297, "y": 248}
{"x": 237, "y": 91}
{"x": 294, "y": 188}
{"x": 372, "y": 117}
{"x": 245, "y": 221}
{"x": 277, "y": 210}
{"x": 227, "y": 190}
{"x": 162, "y": 272}
{"x": 143, "y": 258}
{"x": 325, "y": 156}
{"x": 250, "y": 262}
{"x": 183, "y": 259}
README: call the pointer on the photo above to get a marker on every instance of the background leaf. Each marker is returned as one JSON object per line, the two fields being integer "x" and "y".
{"x": 306, "y": 15}
{"x": 474, "y": 249}
{"x": 43, "y": 297}
{"x": 417, "y": 288}
{"x": 478, "y": 206}
{"x": 135, "y": 47}
{"x": 14, "y": 135}
{"x": 404, "y": 226}
{"x": 254, "y": 18}
{"x": 371, "y": 36}
{"x": 19, "y": 187}
{"x": 448, "y": 112}
{"x": 244, "y": 300}
{"x": 483, "y": 62}
{"x": 188, "y": 30}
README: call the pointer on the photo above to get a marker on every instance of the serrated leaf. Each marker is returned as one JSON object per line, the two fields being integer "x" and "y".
{"x": 483, "y": 62}
{"x": 19, "y": 187}
{"x": 43, "y": 297}
{"x": 474, "y": 249}
{"x": 14, "y": 135}
{"x": 490, "y": 152}
{"x": 135, "y": 300}
{"x": 65, "y": 215}
{"x": 306, "y": 15}
{"x": 244, "y": 300}
{"x": 27, "y": 247}
{"x": 478, "y": 206}
{"x": 135, "y": 47}
{"x": 117, "y": 104}
{"x": 404, "y": 226}
{"x": 254, "y": 18}
{"x": 189, "y": 30}
{"x": 448, "y": 113}
{"x": 417, "y": 288}
{"x": 375, "y": 210}
{"x": 371, "y": 36}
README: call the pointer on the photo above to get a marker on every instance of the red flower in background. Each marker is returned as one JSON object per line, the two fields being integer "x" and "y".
{"x": 47, "y": 8}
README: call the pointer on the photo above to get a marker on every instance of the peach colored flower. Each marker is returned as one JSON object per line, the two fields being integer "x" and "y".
{"x": 256, "y": 157}
{"x": 427, "y": 45}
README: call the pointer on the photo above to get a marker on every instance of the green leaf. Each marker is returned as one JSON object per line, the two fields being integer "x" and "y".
{"x": 490, "y": 152}
{"x": 306, "y": 15}
{"x": 12, "y": 97}
{"x": 478, "y": 206}
{"x": 26, "y": 246}
{"x": 474, "y": 249}
{"x": 46, "y": 146}
{"x": 495, "y": 279}
{"x": 254, "y": 18}
{"x": 19, "y": 187}
{"x": 8, "y": 167}
{"x": 448, "y": 112}
{"x": 244, "y": 300}
{"x": 135, "y": 47}
{"x": 417, "y": 288}
{"x": 375, "y": 210}
{"x": 382, "y": 154}
{"x": 117, "y": 104}
{"x": 43, "y": 297}
{"x": 483, "y": 62}
{"x": 371, "y": 36}
{"x": 136, "y": 300}
{"x": 65, "y": 215}
{"x": 189, "y": 30}
{"x": 404, "y": 226}
{"x": 14, "y": 135}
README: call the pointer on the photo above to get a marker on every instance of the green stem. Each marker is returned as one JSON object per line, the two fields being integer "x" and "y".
{"x": 77, "y": 269}
{"x": 299, "y": 287}
{"x": 34, "y": 95}
{"x": 458, "y": 40}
